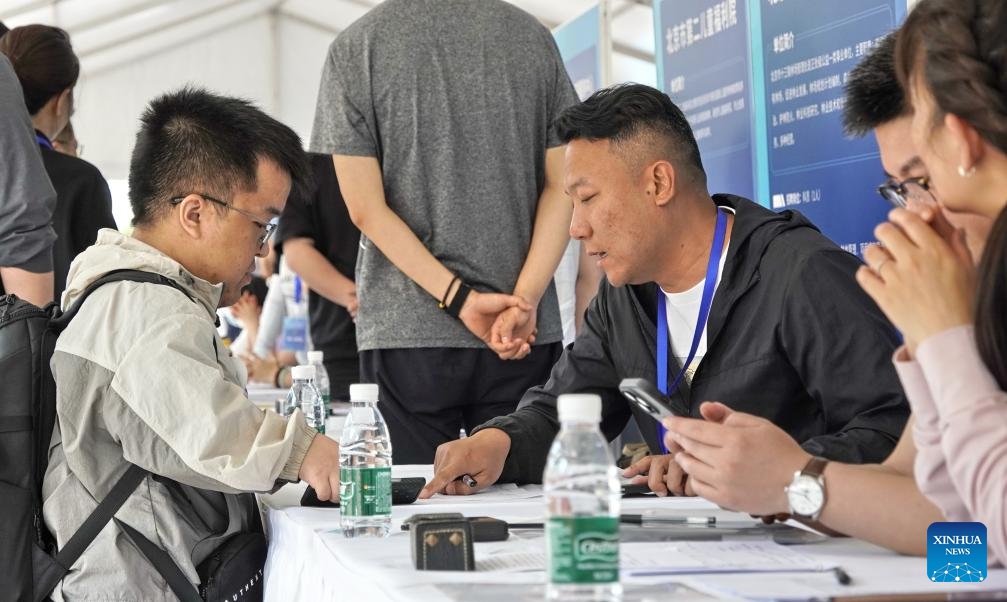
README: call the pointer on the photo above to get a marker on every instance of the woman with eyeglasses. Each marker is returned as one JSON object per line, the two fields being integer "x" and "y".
{"x": 952, "y": 61}
{"x": 47, "y": 68}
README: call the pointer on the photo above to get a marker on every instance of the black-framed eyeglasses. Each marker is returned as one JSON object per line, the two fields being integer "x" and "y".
{"x": 910, "y": 190}
{"x": 267, "y": 228}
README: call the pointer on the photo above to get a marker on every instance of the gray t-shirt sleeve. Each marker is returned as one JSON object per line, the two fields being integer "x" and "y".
{"x": 564, "y": 94}
{"x": 344, "y": 121}
{"x": 27, "y": 198}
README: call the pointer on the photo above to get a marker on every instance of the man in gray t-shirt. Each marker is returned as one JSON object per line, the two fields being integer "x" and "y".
{"x": 438, "y": 115}
{"x": 27, "y": 200}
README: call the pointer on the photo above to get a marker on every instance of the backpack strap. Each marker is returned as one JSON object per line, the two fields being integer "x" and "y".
{"x": 82, "y": 538}
{"x": 129, "y": 481}
{"x": 163, "y": 564}
{"x": 116, "y": 276}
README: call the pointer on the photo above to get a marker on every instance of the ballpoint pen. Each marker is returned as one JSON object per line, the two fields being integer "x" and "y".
{"x": 841, "y": 576}
{"x": 642, "y": 520}
{"x": 648, "y": 519}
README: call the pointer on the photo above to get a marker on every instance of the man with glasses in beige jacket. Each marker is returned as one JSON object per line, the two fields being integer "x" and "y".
{"x": 142, "y": 376}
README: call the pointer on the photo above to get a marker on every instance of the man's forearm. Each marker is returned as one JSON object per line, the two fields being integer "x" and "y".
{"x": 361, "y": 184}
{"x": 316, "y": 271}
{"x": 550, "y": 235}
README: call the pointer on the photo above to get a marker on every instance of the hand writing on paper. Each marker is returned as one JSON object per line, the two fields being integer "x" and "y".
{"x": 514, "y": 332}
{"x": 736, "y": 460}
{"x": 480, "y": 456}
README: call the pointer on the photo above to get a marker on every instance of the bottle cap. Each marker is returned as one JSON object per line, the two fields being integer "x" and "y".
{"x": 580, "y": 407}
{"x": 363, "y": 392}
{"x": 305, "y": 372}
{"x": 316, "y": 357}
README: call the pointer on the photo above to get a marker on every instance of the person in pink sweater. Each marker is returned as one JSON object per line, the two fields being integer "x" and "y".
{"x": 744, "y": 463}
{"x": 952, "y": 59}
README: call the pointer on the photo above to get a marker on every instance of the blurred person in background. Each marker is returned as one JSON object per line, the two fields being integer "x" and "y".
{"x": 27, "y": 200}
{"x": 320, "y": 243}
{"x": 66, "y": 142}
{"x": 47, "y": 68}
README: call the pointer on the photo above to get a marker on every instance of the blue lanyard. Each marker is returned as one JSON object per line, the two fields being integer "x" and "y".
{"x": 43, "y": 141}
{"x": 709, "y": 286}
{"x": 297, "y": 289}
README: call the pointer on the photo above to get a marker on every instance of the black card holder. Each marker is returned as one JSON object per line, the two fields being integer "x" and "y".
{"x": 442, "y": 545}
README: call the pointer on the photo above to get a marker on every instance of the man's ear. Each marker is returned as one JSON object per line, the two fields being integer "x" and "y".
{"x": 662, "y": 182}
{"x": 192, "y": 215}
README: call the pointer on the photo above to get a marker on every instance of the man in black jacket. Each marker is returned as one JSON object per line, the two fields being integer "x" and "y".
{"x": 790, "y": 336}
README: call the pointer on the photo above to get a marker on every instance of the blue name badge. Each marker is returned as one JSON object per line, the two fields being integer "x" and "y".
{"x": 956, "y": 552}
{"x": 295, "y": 333}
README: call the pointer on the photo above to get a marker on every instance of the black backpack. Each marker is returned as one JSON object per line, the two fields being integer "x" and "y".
{"x": 30, "y": 569}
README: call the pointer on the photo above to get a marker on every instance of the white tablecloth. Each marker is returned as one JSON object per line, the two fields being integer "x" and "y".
{"x": 310, "y": 560}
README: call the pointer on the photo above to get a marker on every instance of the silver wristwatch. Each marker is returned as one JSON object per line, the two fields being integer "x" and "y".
{"x": 806, "y": 493}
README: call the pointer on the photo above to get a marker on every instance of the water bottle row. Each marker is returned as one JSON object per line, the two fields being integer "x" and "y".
{"x": 581, "y": 484}
{"x": 365, "y": 450}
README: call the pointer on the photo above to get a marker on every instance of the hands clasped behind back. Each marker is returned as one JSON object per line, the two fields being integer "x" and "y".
{"x": 487, "y": 315}
{"x": 480, "y": 456}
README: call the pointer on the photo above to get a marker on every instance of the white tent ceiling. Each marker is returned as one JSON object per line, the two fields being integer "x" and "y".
{"x": 268, "y": 50}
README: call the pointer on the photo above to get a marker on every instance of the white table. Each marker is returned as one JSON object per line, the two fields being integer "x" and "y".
{"x": 310, "y": 560}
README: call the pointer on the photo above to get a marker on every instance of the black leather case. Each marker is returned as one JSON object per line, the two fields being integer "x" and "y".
{"x": 442, "y": 545}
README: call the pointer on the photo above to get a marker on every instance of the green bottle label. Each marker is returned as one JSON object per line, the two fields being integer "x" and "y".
{"x": 583, "y": 549}
{"x": 365, "y": 491}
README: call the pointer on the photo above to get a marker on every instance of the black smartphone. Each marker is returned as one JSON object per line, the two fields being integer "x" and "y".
{"x": 644, "y": 395}
{"x": 637, "y": 490}
{"x": 404, "y": 491}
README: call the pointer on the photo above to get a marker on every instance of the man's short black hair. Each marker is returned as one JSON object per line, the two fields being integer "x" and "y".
{"x": 627, "y": 112}
{"x": 873, "y": 94}
{"x": 194, "y": 141}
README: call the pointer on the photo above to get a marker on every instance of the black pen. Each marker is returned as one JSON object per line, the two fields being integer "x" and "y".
{"x": 643, "y": 520}
{"x": 841, "y": 576}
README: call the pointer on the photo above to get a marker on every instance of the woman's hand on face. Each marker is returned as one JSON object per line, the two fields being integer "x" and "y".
{"x": 923, "y": 280}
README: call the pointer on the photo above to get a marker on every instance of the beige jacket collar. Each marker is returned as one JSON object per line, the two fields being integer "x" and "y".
{"x": 116, "y": 251}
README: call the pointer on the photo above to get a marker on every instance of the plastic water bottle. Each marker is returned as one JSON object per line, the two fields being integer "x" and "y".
{"x": 365, "y": 467}
{"x": 581, "y": 486}
{"x": 305, "y": 396}
{"x": 316, "y": 359}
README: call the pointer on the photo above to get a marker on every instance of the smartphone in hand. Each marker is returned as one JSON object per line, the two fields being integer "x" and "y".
{"x": 643, "y": 394}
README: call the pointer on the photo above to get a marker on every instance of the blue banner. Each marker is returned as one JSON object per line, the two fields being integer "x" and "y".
{"x": 579, "y": 45}
{"x": 761, "y": 82}
{"x": 808, "y": 50}
{"x": 703, "y": 65}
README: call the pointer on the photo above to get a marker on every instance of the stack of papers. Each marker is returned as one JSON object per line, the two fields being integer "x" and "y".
{"x": 681, "y": 558}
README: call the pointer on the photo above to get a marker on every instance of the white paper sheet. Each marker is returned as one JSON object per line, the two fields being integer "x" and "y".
{"x": 656, "y": 558}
